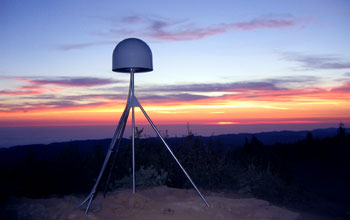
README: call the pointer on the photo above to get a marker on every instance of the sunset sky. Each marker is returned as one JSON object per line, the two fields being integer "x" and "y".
{"x": 215, "y": 62}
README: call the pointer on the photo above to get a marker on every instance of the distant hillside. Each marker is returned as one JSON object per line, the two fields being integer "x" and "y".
{"x": 227, "y": 141}
{"x": 271, "y": 138}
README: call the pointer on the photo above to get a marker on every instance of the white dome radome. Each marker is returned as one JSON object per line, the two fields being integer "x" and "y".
{"x": 132, "y": 53}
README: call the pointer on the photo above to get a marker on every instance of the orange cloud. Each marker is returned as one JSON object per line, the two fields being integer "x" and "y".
{"x": 258, "y": 103}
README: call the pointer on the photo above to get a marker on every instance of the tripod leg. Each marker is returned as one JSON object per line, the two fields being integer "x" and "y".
{"x": 115, "y": 155}
{"x": 133, "y": 149}
{"x": 172, "y": 154}
{"x": 114, "y": 139}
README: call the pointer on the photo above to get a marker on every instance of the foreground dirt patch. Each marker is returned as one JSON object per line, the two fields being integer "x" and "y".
{"x": 149, "y": 204}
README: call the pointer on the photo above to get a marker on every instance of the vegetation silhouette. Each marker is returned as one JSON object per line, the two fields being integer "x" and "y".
{"x": 286, "y": 174}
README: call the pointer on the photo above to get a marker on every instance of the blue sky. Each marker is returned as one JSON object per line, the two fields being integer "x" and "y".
{"x": 35, "y": 34}
{"x": 285, "y": 44}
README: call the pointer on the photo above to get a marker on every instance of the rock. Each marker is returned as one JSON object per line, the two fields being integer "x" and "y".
{"x": 168, "y": 211}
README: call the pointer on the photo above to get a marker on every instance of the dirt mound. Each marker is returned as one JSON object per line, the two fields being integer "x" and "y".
{"x": 149, "y": 204}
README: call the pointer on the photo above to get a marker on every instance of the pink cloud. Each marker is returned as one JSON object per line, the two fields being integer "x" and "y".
{"x": 41, "y": 86}
{"x": 345, "y": 88}
{"x": 74, "y": 46}
{"x": 256, "y": 24}
{"x": 265, "y": 90}
{"x": 24, "y": 92}
{"x": 311, "y": 61}
{"x": 70, "y": 81}
{"x": 164, "y": 29}
{"x": 187, "y": 35}
{"x": 182, "y": 30}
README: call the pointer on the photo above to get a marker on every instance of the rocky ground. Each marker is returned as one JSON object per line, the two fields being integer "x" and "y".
{"x": 149, "y": 204}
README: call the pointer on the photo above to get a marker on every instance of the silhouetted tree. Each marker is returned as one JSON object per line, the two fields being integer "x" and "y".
{"x": 341, "y": 130}
{"x": 138, "y": 134}
{"x": 309, "y": 137}
{"x": 256, "y": 142}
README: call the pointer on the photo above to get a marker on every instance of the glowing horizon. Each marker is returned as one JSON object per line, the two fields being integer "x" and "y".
{"x": 307, "y": 105}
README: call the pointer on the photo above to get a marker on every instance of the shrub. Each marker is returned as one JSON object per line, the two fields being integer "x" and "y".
{"x": 145, "y": 177}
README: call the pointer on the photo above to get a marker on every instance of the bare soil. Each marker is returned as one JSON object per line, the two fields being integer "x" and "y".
{"x": 149, "y": 204}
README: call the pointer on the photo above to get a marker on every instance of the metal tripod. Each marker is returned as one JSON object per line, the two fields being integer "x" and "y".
{"x": 132, "y": 102}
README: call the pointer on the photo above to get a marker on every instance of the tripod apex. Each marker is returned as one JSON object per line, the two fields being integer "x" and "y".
{"x": 132, "y": 53}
